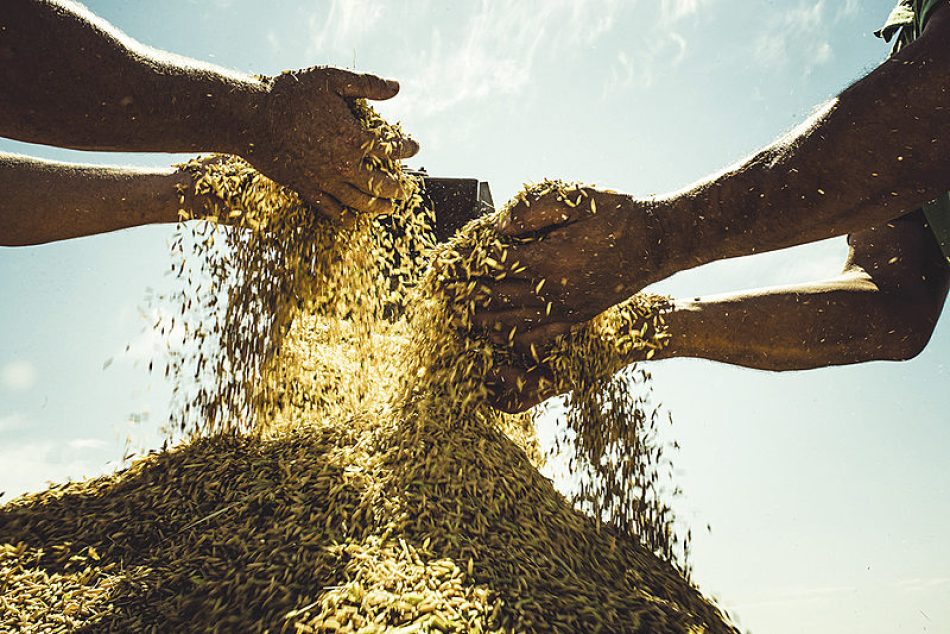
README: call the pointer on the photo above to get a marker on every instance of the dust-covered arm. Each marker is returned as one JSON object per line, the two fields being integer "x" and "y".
{"x": 883, "y": 306}
{"x": 44, "y": 201}
{"x": 877, "y": 151}
{"x": 70, "y": 79}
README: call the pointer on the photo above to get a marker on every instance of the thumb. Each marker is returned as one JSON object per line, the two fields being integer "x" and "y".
{"x": 356, "y": 85}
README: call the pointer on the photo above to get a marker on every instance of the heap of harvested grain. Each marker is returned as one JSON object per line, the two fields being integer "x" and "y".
{"x": 377, "y": 490}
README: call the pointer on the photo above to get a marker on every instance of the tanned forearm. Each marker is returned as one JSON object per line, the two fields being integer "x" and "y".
{"x": 69, "y": 79}
{"x": 45, "y": 201}
{"x": 839, "y": 322}
{"x": 879, "y": 150}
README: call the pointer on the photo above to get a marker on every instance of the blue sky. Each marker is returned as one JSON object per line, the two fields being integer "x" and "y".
{"x": 827, "y": 491}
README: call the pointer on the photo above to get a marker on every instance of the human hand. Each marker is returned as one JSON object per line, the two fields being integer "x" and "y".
{"x": 576, "y": 251}
{"x": 600, "y": 349}
{"x": 517, "y": 388}
{"x": 311, "y": 140}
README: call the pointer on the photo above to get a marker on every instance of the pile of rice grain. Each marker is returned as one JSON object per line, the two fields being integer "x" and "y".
{"x": 345, "y": 472}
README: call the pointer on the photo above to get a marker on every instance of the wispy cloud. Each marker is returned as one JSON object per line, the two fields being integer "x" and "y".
{"x": 847, "y": 9}
{"x": 18, "y": 376}
{"x": 801, "y": 34}
{"x": 492, "y": 51}
{"x": 86, "y": 443}
{"x": 665, "y": 47}
{"x": 32, "y": 466}
{"x": 919, "y": 584}
{"x": 644, "y": 64}
{"x": 12, "y": 422}
{"x": 342, "y": 28}
{"x": 673, "y": 10}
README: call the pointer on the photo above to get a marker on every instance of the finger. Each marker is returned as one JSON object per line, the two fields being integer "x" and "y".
{"x": 373, "y": 181}
{"x": 406, "y": 148}
{"x": 542, "y": 336}
{"x": 356, "y": 85}
{"x": 498, "y": 337}
{"x": 375, "y": 175}
{"x": 500, "y": 334}
{"x": 535, "y": 258}
{"x": 510, "y": 293}
{"x": 328, "y": 206}
{"x": 392, "y": 149}
{"x": 527, "y": 316}
{"x": 361, "y": 202}
{"x": 513, "y": 389}
{"x": 548, "y": 211}
{"x": 520, "y": 319}
{"x": 378, "y": 184}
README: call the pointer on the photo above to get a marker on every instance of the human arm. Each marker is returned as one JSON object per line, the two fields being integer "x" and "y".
{"x": 873, "y": 153}
{"x": 44, "y": 201}
{"x": 70, "y": 79}
{"x": 884, "y": 305}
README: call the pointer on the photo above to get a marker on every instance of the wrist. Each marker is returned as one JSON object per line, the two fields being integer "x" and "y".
{"x": 241, "y": 120}
{"x": 683, "y": 321}
{"x": 174, "y": 191}
{"x": 680, "y": 222}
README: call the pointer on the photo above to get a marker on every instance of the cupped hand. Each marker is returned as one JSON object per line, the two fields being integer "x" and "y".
{"x": 521, "y": 381}
{"x": 312, "y": 141}
{"x": 576, "y": 251}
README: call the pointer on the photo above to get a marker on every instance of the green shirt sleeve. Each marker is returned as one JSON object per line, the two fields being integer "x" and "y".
{"x": 902, "y": 15}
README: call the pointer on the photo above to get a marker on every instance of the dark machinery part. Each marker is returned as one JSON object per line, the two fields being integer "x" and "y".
{"x": 455, "y": 201}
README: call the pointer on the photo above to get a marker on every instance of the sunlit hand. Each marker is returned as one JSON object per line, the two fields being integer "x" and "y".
{"x": 311, "y": 141}
{"x": 527, "y": 379}
{"x": 577, "y": 252}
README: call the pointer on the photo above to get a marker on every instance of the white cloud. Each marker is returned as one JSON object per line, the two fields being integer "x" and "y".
{"x": 663, "y": 47}
{"x": 672, "y": 10}
{"x": 919, "y": 584}
{"x": 345, "y": 24}
{"x": 18, "y": 376}
{"x": 12, "y": 422}
{"x": 86, "y": 443}
{"x": 32, "y": 466}
{"x": 648, "y": 61}
{"x": 493, "y": 52}
{"x": 847, "y": 9}
{"x": 822, "y": 53}
{"x": 622, "y": 72}
{"x": 799, "y": 35}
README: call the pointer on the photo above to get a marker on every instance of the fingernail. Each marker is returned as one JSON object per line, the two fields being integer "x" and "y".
{"x": 392, "y": 84}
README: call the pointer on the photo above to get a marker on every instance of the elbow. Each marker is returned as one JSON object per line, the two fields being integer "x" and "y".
{"x": 904, "y": 347}
{"x": 903, "y": 328}
{"x": 18, "y": 239}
